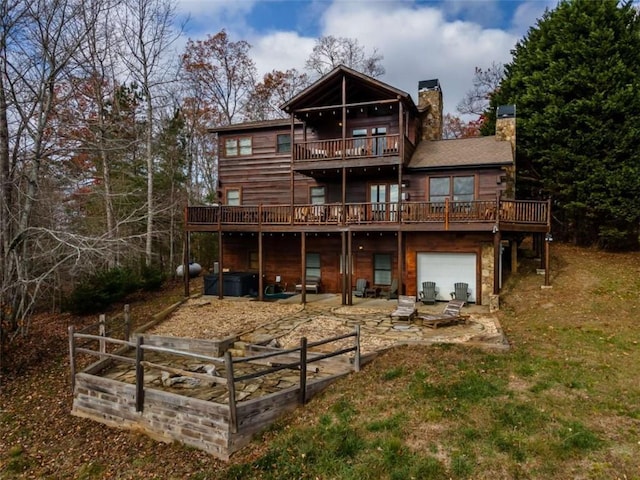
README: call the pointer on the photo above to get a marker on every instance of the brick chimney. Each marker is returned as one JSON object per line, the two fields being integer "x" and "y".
{"x": 430, "y": 109}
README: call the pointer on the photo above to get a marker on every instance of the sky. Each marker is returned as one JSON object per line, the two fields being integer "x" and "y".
{"x": 419, "y": 40}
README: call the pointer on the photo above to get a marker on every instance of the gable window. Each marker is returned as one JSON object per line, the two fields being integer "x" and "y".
{"x": 382, "y": 269}
{"x": 317, "y": 195}
{"x": 313, "y": 265}
{"x": 232, "y": 196}
{"x": 458, "y": 189}
{"x": 237, "y": 146}
{"x": 283, "y": 142}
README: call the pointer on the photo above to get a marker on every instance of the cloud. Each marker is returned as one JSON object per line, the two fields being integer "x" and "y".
{"x": 419, "y": 41}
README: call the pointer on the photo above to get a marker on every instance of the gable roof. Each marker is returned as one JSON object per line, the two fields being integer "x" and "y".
{"x": 462, "y": 152}
{"x": 327, "y": 91}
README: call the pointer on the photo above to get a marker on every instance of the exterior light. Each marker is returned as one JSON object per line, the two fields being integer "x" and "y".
{"x": 548, "y": 237}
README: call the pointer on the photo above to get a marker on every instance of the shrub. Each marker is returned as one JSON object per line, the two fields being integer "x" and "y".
{"x": 99, "y": 291}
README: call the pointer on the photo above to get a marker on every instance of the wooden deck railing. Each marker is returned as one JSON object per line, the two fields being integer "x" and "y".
{"x": 524, "y": 212}
{"x": 383, "y": 145}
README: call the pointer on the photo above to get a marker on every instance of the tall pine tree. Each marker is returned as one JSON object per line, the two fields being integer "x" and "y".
{"x": 575, "y": 78}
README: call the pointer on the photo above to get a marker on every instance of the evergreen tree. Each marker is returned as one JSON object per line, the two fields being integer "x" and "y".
{"x": 575, "y": 80}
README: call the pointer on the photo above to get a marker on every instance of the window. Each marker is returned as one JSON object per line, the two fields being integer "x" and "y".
{"x": 382, "y": 269}
{"x": 283, "y": 142}
{"x": 233, "y": 196}
{"x": 317, "y": 195}
{"x": 253, "y": 260}
{"x": 380, "y": 142}
{"x": 379, "y": 195}
{"x": 237, "y": 146}
{"x": 458, "y": 189}
{"x": 313, "y": 265}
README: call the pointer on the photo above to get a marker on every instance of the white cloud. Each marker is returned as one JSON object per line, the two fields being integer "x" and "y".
{"x": 417, "y": 40}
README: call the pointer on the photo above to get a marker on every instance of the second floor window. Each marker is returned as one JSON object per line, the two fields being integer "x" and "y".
{"x": 237, "y": 146}
{"x": 458, "y": 189}
{"x": 233, "y": 196}
{"x": 283, "y": 143}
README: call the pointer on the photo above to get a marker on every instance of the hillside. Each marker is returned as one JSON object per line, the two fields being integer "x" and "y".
{"x": 563, "y": 402}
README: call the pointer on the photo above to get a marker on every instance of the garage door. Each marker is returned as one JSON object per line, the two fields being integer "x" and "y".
{"x": 446, "y": 269}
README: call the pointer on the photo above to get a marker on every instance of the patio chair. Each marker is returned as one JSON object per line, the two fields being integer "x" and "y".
{"x": 391, "y": 292}
{"x": 428, "y": 293}
{"x": 406, "y": 309}
{"x": 461, "y": 292}
{"x": 361, "y": 287}
{"x": 450, "y": 314}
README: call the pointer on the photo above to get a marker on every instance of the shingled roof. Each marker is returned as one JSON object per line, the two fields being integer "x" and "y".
{"x": 461, "y": 152}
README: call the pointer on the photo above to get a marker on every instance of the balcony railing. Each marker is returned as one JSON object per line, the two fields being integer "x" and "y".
{"x": 519, "y": 212}
{"x": 383, "y": 145}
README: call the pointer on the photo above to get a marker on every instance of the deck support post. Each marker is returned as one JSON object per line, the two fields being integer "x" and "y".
{"x": 185, "y": 264}
{"x": 343, "y": 268}
{"x": 349, "y": 262}
{"x": 260, "y": 266}
{"x": 303, "y": 270}
{"x": 400, "y": 266}
{"x": 220, "y": 275}
{"x": 497, "y": 237}
{"x": 514, "y": 256}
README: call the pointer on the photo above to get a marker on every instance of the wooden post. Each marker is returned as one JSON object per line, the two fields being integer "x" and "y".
{"x": 139, "y": 374}
{"x": 546, "y": 260}
{"x": 260, "y": 262}
{"x": 356, "y": 360}
{"x": 497, "y": 237}
{"x": 72, "y": 357}
{"x": 231, "y": 387}
{"x": 400, "y": 265}
{"x": 102, "y": 331}
{"x": 343, "y": 258}
{"x": 446, "y": 213}
{"x": 303, "y": 370}
{"x": 303, "y": 269}
{"x": 348, "y": 265}
{"x": 185, "y": 265}
{"x": 220, "y": 274}
{"x": 514, "y": 256}
{"x": 127, "y": 322}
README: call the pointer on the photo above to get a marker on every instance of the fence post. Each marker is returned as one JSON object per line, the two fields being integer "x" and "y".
{"x": 139, "y": 374}
{"x": 102, "y": 331}
{"x": 356, "y": 360}
{"x": 233, "y": 418}
{"x": 303, "y": 370}
{"x": 72, "y": 357}
{"x": 127, "y": 322}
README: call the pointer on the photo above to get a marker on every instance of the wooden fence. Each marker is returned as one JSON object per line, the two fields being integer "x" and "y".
{"x": 96, "y": 397}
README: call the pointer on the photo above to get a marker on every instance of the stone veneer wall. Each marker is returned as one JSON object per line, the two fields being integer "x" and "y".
{"x": 488, "y": 267}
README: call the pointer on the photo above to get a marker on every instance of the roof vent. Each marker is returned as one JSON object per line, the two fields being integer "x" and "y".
{"x": 429, "y": 84}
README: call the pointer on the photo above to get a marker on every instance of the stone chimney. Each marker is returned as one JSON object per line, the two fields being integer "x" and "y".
{"x": 430, "y": 109}
{"x": 506, "y": 124}
{"x": 506, "y": 132}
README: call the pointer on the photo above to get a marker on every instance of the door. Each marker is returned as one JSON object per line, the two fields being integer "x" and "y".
{"x": 446, "y": 269}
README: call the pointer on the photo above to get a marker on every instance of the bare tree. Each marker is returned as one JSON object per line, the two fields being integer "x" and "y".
{"x": 485, "y": 82}
{"x": 330, "y": 51}
{"x": 275, "y": 89}
{"x": 148, "y": 32}
{"x": 222, "y": 70}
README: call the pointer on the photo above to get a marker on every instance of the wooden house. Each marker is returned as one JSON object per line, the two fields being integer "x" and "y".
{"x": 358, "y": 184}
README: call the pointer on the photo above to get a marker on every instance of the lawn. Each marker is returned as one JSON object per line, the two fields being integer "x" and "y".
{"x": 563, "y": 402}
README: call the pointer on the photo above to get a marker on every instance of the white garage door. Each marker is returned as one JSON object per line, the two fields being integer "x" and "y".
{"x": 446, "y": 269}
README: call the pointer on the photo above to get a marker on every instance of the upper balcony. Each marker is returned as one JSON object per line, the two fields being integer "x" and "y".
{"x": 351, "y": 152}
{"x": 480, "y": 215}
